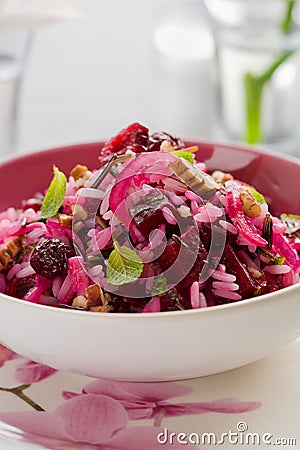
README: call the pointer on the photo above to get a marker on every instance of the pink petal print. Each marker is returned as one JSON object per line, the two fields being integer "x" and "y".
{"x": 142, "y": 438}
{"x": 92, "y": 418}
{"x": 67, "y": 395}
{"x": 31, "y": 372}
{"x": 36, "y": 427}
{"x": 223, "y": 406}
{"x": 6, "y": 354}
{"x": 137, "y": 392}
{"x": 139, "y": 411}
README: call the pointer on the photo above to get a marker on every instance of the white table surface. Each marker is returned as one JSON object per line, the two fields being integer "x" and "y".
{"x": 271, "y": 383}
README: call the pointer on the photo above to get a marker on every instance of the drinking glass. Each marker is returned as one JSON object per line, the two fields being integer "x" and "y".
{"x": 13, "y": 51}
{"x": 258, "y": 65}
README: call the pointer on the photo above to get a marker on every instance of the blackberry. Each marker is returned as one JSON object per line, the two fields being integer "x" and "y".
{"x": 156, "y": 139}
{"x": 18, "y": 287}
{"x": 50, "y": 258}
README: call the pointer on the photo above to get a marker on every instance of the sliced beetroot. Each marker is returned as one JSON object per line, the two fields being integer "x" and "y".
{"x": 273, "y": 283}
{"x": 190, "y": 261}
{"x": 220, "y": 236}
{"x": 175, "y": 299}
{"x": 147, "y": 213}
{"x": 248, "y": 286}
{"x": 156, "y": 139}
{"x": 138, "y": 171}
{"x": 134, "y": 137}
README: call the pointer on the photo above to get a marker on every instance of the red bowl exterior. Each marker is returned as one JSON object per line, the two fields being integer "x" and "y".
{"x": 275, "y": 176}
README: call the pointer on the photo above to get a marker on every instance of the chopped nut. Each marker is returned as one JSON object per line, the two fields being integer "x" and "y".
{"x": 95, "y": 296}
{"x": 14, "y": 247}
{"x": 65, "y": 220}
{"x": 184, "y": 211}
{"x": 166, "y": 146}
{"x": 5, "y": 257}
{"x": 249, "y": 205}
{"x": 107, "y": 298}
{"x": 79, "y": 211}
{"x": 78, "y": 171}
{"x": 80, "y": 302}
{"x": 104, "y": 309}
{"x": 221, "y": 177}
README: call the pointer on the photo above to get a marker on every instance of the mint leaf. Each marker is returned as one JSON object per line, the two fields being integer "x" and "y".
{"x": 279, "y": 260}
{"x": 257, "y": 195}
{"x": 124, "y": 266}
{"x": 55, "y": 194}
{"x": 185, "y": 155}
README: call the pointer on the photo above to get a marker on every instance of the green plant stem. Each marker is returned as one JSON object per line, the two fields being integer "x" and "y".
{"x": 18, "y": 391}
{"x": 287, "y": 23}
{"x": 254, "y": 84}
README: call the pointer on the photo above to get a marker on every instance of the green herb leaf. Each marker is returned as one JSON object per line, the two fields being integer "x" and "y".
{"x": 279, "y": 260}
{"x": 185, "y": 155}
{"x": 258, "y": 197}
{"x": 124, "y": 266}
{"x": 160, "y": 286}
{"x": 55, "y": 195}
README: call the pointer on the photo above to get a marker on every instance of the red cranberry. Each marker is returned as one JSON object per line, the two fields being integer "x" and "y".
{"x": 134, "y": 138}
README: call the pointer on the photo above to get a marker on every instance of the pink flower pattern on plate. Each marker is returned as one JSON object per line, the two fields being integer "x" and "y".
{"x": 32, "y": 372}
{"x": 151, "y": 400}
{"x": 87, "y": 422}
{"x": 98, "y": 417}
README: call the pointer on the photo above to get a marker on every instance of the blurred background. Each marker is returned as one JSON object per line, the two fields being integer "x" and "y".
{"x": 74, "y": 71}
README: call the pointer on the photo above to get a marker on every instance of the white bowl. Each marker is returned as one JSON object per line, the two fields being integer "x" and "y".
{"x": 157, "y": 346}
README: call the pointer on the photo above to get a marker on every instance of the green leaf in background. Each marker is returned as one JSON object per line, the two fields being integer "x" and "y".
{"x": 124, "y": 266}
{"x": 185, "y": 155}
{"x": 55, "y": 194}
{"x": 254, "y": 84}
{"x": 258, "y": 197}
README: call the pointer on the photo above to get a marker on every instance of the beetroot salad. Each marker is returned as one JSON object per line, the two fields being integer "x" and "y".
{"x": 149, "y": 230}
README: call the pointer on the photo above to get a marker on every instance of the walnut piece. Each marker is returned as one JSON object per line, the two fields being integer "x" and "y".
{"x": 80, "y": 302}
{"x": 249, "y": 205}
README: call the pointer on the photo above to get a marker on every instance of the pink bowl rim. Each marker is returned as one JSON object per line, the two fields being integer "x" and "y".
{"x": 262, "y": 299}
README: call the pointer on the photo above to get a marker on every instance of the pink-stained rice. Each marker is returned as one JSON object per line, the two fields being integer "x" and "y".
{"x": 223, "y": 276}
{"x": 227, "y": 294}
{"x": 169, "y": 216}
{"x": 277, "y": 269}
{"x": 195, "y": 295}
{"x": 228, "y": 226}
{"x": 225, "y": 285}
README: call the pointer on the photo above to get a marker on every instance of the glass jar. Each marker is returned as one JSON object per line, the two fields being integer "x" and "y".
{"x": 13, "y": 51}
{"x": 258, "y": 61}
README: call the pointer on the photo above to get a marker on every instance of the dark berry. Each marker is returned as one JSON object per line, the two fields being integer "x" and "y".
{"x": 50, "y": 258}
{"x": 18, "y": 287}
{"x": 156, "y": 139}
{"x": 134, "y": 138}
